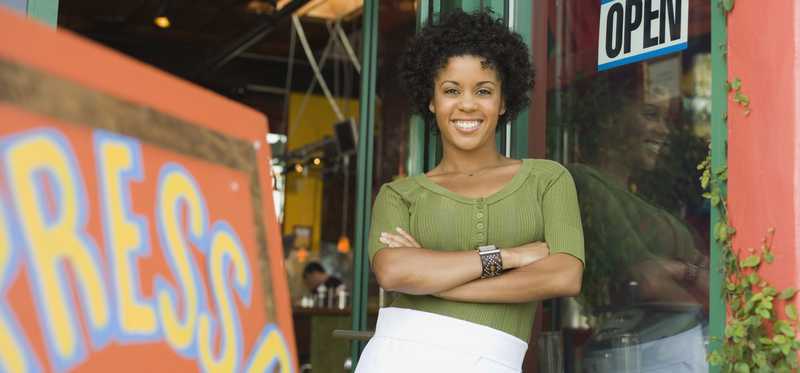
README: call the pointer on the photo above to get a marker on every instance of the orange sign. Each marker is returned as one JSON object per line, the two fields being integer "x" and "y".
{"x": 137, "y": 230}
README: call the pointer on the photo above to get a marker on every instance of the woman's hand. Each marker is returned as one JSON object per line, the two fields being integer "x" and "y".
{"x": 526, "y": 254}
{"x": 399, "y": 239}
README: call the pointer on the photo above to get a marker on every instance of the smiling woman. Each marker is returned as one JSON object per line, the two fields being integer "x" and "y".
{"x": 473, "y": 245}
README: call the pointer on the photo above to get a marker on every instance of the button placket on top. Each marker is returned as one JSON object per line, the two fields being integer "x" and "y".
{"x": 479, "y": 217}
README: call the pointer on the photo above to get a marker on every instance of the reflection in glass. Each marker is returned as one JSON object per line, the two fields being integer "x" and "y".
{"x": 632, "y": 138}
{"x": 646, "y": 276}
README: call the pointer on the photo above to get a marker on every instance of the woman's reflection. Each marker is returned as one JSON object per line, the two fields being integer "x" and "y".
{"x": 645, "y": 280}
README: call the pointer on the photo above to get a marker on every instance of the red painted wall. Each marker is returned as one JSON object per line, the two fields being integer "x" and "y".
{"x": 762, "y": 155}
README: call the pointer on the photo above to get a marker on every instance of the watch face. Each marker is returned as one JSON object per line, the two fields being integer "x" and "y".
{"x": 487, "y": 248}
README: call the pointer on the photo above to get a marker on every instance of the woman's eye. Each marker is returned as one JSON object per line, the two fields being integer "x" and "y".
{"x": 484, "y": 92}
{"x": 451, "y": 91}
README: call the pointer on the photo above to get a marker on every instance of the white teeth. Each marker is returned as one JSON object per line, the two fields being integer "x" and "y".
{"x": 655, "y": 148}
{"x": 467, "y": 125}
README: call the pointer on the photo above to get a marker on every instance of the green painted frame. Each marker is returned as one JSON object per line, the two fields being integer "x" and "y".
{"x": 44, "y": 10}
{"x": 369, "y": 61}
{"x": 719, "y": 158}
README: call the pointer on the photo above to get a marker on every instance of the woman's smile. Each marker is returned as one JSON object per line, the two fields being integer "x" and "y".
{"x": 467, "y": 125}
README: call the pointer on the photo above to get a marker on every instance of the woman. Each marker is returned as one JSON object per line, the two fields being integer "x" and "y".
{"x": 475, "y": 243}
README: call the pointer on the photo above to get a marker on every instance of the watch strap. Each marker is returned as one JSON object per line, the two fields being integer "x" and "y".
{"x": 491, "y": 261}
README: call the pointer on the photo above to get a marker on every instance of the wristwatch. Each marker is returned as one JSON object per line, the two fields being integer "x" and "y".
{"x": 491, "y": 261}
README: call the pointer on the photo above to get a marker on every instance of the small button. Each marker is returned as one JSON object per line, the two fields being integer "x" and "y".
{"x": 480, "y": 225}
{"x": 479, "y": 215}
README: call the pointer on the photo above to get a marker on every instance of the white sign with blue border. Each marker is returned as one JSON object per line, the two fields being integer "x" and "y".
{"x": 637, "y": 30}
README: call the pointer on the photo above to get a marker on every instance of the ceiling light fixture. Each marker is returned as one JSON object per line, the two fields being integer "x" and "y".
{"x": 326, "y": 9}
{"x": 161, "y": 20}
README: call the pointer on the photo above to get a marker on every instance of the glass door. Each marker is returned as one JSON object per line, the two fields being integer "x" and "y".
{"x": 632, "y": 135}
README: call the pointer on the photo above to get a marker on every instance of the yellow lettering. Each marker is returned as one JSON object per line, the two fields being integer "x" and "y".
{"x": 270, "y": 350}
{"x": 176, "y": 188}
{"x": 118, "y": 161}
{"x": 14, "y": 355}
{"x": 55, "y": 238}
{"x": 226, "y": 250}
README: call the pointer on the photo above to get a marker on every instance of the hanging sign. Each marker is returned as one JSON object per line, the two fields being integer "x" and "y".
{"x": 636, "y": 30}
{"x": 137, "y": 231}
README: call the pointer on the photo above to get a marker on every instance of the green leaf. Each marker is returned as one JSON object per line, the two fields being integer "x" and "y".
{"x": 742, "y": 368}
{"x": 737, "y": 83}
{"x": 715, "y": 358}
{"x": 787, "y": 294}
{"x": 769, "y": 257}
{"x": 745, "y": 99}
{"x": 791, "y": 311}
{"x": 751, "y": 261}
{"x": 704, "y": 179}
{"x": 786, "y": 330}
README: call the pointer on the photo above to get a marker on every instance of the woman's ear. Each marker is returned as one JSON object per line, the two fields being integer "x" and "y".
{"x": 431, "y": 107}
{"x": 502, "y": 107}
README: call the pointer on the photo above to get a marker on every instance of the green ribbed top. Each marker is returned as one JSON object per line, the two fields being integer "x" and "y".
{"x": 538, "y": 204}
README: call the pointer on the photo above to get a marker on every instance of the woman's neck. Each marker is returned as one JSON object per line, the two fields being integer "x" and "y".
{"x": 619, "y": 171}
{"x": 456, "y": 161}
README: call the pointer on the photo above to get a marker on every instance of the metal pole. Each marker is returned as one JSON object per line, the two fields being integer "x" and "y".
{"x": 369, "y": 58}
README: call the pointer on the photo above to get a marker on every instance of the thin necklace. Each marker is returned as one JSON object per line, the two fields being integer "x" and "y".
{"x": 478, "y": 171}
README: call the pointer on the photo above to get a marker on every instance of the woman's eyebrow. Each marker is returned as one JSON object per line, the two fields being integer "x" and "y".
{"x": 483, "y": 82}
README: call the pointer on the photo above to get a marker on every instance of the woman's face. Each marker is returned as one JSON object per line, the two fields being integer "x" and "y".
{"x": 650, "y": 135}
{"x": 467, "y": 103}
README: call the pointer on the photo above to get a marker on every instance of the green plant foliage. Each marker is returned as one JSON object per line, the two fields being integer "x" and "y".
{"x": 738, "y": 97}
{"x": 755, "y": 339}
{"x": 726, "y": 5}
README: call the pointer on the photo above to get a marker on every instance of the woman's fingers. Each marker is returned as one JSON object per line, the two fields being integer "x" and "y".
{"x": 408, "y": 237}
{"x": 394, "y": 240}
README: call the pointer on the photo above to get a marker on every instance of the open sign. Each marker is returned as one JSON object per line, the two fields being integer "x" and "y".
{"x": 636, "y": 30}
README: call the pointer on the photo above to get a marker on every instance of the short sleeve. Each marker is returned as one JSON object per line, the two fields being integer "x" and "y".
{"x": 562, "y": 219}
{"x": 389, "y": 212}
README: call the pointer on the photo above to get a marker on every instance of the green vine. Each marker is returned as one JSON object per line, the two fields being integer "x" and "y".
{"x": 726, "y": 5}
{"x": 755, "y": 339}
{"x": 738, "y": 97}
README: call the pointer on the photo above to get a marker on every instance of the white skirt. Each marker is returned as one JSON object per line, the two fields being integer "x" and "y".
{"x": 415, "y": 341}
{"x": 681, "y": 353}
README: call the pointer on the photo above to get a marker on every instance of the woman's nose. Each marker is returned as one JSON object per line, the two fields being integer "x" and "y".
{"x": 467, "y": 103}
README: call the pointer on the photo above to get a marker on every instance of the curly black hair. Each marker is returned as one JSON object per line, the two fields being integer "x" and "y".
{"x": 477, "y": 34}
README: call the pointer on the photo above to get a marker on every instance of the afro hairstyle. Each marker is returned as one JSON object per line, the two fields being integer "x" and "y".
{"x": 458, "y": 33}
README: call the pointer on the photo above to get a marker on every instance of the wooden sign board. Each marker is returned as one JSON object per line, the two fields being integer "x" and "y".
{"x": 137, "y": 228}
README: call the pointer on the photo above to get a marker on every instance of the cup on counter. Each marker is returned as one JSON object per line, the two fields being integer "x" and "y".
{"x": 626, "y": 353}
